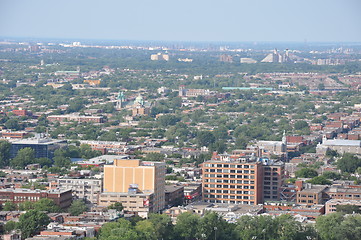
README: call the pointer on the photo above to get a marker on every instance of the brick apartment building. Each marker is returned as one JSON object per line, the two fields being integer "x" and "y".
{"x": 61, "y": 198}
{"x": 233, "y": 181}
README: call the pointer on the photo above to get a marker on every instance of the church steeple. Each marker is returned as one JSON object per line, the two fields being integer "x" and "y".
{"x": 284, "y": 138}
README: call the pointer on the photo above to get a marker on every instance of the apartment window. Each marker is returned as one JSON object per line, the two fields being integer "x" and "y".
{"x": 226, "y": 165}
{"x": 219, "y": 170}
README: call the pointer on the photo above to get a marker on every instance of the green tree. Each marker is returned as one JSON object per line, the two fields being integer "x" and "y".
{"x": 348, "y": 209}
{"x": 168, "y": 120}
{"x": 205, "y": 138}
{"x": 9, "y": 226}
{"x": 61, "y": 159}
{"x": 299, "y": 125}
{"x": 212, "y": 226}
{"x": 348, "y": 163}
{"x": 5, "y": 148}
{"x": 32, "y": 222}
{"x": 306, "y": 173}
{"x": 13, "y": 124}
{"x": 77, "y": 207}
{"x": 163, "y": 226}
{"x": 24, "y": 157}
{"x": 44, "y": 162}
{"x": 146, "y": 230}
{"x": 336, "y": 226}
{"x": 332, "y": 175}
{"x": 9, "y": 206}
{"x": 27, "y": 205}
{"x": 117, "y": 206}
{"x": 120, "y": 230}
{"x": 154, "y": 157}
{"x": 187, "y": 226}
{"x": 46, "y": 204}
{"x": 321, "y": 180}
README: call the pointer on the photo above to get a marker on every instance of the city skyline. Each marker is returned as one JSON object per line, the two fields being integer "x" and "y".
{"x": 227, "y": 21}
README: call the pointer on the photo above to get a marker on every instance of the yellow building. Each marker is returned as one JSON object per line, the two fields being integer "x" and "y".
{"x": 148, "y": 176}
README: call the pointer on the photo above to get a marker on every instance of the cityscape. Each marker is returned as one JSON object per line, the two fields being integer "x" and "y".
{"x": 183, "y": 137}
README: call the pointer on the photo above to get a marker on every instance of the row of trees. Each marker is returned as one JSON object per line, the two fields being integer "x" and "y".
{"x": 211, "y": 226}
{"x": 26, "y": 156}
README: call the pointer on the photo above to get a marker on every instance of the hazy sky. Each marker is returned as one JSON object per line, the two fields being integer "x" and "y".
{"x": 189, "y": 20}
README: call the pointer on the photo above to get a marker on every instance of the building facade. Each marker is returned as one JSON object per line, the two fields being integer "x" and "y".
{"x": 147, "y": 176}
{"x": 61, "y": 198}
{"x": 272, "y": 181}
{"x": 42, "y": 147}
{"x": 236, "y": 181}
{"x": 87, "y": 189}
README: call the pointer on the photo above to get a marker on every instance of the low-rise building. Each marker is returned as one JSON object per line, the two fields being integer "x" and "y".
{"x": 174, "y": 195}
{"x": 62, "y": 198}
{"x": 311, "y": 195}
{"x": 331, "y": 204}
{"x": 141, "y": 203}
{"x": 87, "y": 189}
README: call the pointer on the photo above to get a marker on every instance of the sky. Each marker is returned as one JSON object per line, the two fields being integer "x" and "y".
{"x": 184, "y": 20}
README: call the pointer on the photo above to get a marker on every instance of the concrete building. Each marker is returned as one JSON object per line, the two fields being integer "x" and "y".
{"x": 124, "y": 174}
{"x": 139, "y": 202}
{"x": 42, "y": 147}
{"x": 344, "y": 193}
{"x": 62, "y": 198}
{"x": 311, "y": 195}
{"x": 87, "y": 189}
{"x": 174, "y": 195}
{"x": 331, "y": 204}
{"x": 75, "y": 118}
{"x": 233, "y": 181}
{"x": 159, "y": 57}
{"x": 339, "y": 145}
{"x": 184, "y": 92}
{"x": 247, "y": 60}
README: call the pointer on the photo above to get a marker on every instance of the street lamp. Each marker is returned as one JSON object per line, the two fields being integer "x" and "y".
{"x": 215, "y": 233}
{"x": 264, "y": 234}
